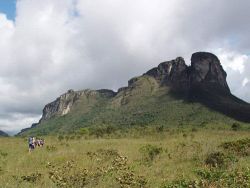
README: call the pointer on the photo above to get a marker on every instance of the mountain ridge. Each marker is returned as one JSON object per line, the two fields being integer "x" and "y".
{"x": 3, "y": 134}
{"x": 204, "y": 82}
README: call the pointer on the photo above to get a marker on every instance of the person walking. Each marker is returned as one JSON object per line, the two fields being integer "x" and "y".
{"x": 31, "y": 144}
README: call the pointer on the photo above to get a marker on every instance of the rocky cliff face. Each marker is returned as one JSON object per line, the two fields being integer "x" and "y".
{"x": 205, "y": 71}
{"x": 170, "y": 72}
{"x": 63, "y": 104}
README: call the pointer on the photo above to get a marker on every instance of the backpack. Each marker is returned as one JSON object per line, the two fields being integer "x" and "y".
{"x": 30, "y": 140}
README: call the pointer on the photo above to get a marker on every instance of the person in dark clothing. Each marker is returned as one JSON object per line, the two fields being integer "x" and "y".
{"x": 31, "y": 144}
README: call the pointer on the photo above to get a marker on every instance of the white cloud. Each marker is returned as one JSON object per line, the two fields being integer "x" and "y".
{"x": 236, "y": 65}
{"x": 55, "y": 45}
{"x": 234, "y": 60}
{"x": 18, "y": 120}
{"x": 245, "y": 82}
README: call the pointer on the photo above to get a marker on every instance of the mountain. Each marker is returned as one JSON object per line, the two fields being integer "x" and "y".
{"x": 171, "y": 94}
{"x": 3, "y": 134}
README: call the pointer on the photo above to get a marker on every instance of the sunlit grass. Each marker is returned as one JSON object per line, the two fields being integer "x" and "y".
{"x": 183, "y": 153}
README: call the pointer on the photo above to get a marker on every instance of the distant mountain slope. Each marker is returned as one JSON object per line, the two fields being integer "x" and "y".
{"x": 3, "y": 134}
{"x": 171, "y": 94}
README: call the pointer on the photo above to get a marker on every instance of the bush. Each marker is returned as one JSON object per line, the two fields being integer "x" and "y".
{"x": 181, "y": 184}
{"x": 100, "y": 131}
{"x": 83, "y": 131}
{"x": 60, "y": 138}
{"x": 3, "y": 154}
{"x": 103, "y": 154}
{"x": 150, "y": 152}
{"x": 194, "y": 130}
{"x": 214, "y": 178}
{"x": 236, "y": 126}
{"x": 68, "y": 175}
{"x": 51, "y": 148}
{"x": 66, "y": 138}
{"x": 159, "y": 129}
{"x": 219, "y": 159}
{"x": 130, "y": 179}
{"x": 203, "y": 124}
{"x": 239, "y": 147}
{"x": 72, "y": 137}
{"x": 32, "y": 178}
{"x": 220, "y": 178}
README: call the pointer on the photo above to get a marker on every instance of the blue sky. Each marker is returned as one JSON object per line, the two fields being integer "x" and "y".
{"x": 8, "y": 7}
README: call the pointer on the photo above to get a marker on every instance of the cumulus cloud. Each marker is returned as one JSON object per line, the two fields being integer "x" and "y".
{"x": 55, "y": 45}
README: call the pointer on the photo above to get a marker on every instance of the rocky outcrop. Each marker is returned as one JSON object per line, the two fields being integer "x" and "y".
{"x": 106, "y": 93}
{"x": 172, "y": 73}
{"x": 207, "y": 71}
{"x": 3, "y": 134}
{"x": 204, "y": 81}
{"x": 63, "y": 104}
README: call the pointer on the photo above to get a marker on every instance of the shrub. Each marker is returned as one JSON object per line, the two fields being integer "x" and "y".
{"x": 100, "y": 131}
{"x": 180, "y": 184}
{"x": 159, "y": 129}
{"x": 239, "y": 147}
{"x": 221, "y": 178}
{"x": 83, "y": 131}
{"x": 66, "y": 138}
{"x": 78, "y": 137}
{"x": 203, "y": 124}
{"x": 3, "y": 154}
{"x": 51, "y": 148}
{"x": 214, "y": 178}
{"x": 32, "y": 178}
{"x": 103, "y": 154}
{"x": 150, "y": 152}
{"x": 236, "y": 126}
{"x": 130, "y": 179}
{"x": 112, "y": 165}
{"x": 72, "y": 137}
{"x": 219, "y": 159}
{"x": 60, "y": 137}
{"x": 68, "y": 175}
{"x": 194, "y": 130}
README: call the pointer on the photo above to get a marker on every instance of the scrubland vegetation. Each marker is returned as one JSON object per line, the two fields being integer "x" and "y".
{"x": 139, "y": 157}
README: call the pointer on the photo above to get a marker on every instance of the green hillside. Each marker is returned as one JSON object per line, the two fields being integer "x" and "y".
{"x": 144, "y": 102}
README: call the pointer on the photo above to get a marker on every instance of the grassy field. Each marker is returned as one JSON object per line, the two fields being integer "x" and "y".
{"x": 167, "y": 158}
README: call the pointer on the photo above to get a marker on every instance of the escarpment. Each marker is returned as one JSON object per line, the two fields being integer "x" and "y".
{"x": 203, "y": 82}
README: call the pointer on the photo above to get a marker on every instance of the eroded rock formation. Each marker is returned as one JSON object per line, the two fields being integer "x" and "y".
{"x": 205, "y": 71}
{"x": 203, "y": 81}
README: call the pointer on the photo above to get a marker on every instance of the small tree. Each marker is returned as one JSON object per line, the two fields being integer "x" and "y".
{"x": 60, "y": 137}
{"x": 236, "y": 126}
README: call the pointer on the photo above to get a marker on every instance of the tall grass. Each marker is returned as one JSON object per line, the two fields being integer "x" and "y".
{"x": 165, "y": 158}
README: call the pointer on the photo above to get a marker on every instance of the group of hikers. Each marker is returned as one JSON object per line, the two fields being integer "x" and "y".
{"x": 33, "y": 143}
